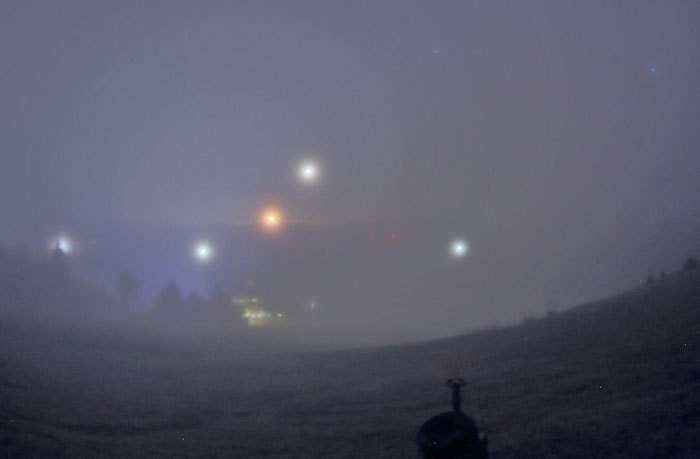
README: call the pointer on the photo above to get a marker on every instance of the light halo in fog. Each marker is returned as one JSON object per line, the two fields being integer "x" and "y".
{"x": 202, "y": 251}
{"x": 458, "y": 248}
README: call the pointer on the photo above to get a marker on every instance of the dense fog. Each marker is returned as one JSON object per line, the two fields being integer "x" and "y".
{"x": 555, "y": 144}
{"x": 300, "y": 228}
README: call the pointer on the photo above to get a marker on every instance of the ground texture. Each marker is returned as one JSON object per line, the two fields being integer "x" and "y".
{"x": 615, "y": 378}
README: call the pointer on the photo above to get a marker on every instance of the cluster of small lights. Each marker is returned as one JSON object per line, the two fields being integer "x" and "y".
{"x": 256, "y": 317}
{"x": 244, "y": 300}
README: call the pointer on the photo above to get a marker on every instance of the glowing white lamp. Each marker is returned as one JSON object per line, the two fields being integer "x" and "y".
{"x": 459, "y": 248}
{"x": 202, "y": 251}
{"x": 308, "y": 172}
{"x": 61, "y": 243}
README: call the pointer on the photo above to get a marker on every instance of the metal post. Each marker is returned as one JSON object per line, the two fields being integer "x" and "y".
{"x": 456, "y": 384}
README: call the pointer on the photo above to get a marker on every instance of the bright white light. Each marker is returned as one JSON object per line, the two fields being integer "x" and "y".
{"x": 202, "y": 251}
{"x": 459, "y": 248}
{"x": 62, "y": 243}
{"x": 308, "y": 172}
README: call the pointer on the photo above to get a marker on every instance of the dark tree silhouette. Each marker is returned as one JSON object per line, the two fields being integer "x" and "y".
{"x": 170, "y": 299}
{"x": 58, "y": 263}
{"x": 195, "y": 302}
{"x": 126, "y": 286}
{"x": 690, "y": 264}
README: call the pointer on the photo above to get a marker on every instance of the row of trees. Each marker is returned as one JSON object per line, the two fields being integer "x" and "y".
{"x": 172, "y": 304}
{"x": 171, "y": 301}
{"x": 690, "y": 264}
{"x": 45, "y": 283}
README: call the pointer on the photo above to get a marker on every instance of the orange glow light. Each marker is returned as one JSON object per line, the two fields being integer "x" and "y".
{"x": 271, "y": 219}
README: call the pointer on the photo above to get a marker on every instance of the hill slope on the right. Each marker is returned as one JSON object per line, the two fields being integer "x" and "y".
{"x": 614, "y": 378}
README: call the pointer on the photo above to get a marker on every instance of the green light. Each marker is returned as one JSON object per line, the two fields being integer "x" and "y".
{"x": 279, "y": 315}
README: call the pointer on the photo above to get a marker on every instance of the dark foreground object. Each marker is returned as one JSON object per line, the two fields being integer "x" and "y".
{"x": 452, "y": 434}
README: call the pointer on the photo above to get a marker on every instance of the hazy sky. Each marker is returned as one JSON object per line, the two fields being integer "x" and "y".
{"x": 539, "y": 131}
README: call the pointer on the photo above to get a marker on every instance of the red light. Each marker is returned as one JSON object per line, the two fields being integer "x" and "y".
{"x": 371, "y": 235}
{"x": 393, "y": 235}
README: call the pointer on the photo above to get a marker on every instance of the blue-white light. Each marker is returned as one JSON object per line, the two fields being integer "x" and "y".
{"x": 62, "y": 243}
{"x": 459, "y": 248}
{"x": 202, "y": 251}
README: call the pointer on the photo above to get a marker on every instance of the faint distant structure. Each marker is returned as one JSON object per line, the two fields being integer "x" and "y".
{"x": 126, "y": 286}
{"x": 650, "y": 279}
{"x": 170, "y": 299}
{"x": 691, "y": 264}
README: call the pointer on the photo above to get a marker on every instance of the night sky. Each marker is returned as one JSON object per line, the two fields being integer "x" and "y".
{"x": 559, "y": 140}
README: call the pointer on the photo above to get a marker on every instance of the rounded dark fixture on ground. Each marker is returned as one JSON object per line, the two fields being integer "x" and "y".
{"x": 452, "y": 434}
